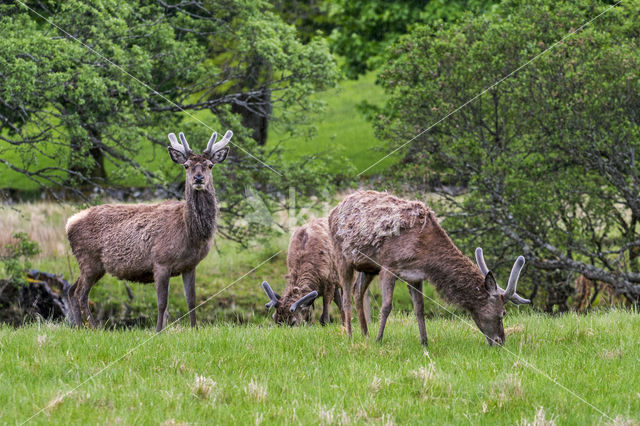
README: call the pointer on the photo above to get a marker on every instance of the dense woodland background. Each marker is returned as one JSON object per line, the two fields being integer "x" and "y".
{"x": 317, "y": 92}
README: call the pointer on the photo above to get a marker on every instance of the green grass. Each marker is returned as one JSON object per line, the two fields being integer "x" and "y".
{"x": 274, "y": 375}
{"x": 341, "y": 129}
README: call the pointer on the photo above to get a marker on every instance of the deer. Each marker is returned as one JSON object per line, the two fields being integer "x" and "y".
{"x": 148, "y": 243}
{"x": 312, "y": 273}
{"x": 378, "y": 233}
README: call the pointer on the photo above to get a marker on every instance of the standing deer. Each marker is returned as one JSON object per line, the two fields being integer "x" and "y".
{"x": 377, "y": 233}
{"x": 150, "y": 242}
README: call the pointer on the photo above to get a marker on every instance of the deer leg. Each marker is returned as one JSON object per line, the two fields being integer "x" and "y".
{"x": 165, "y": 317}
{"x": 346, "y": 278}
{"x": 337, "y": 298}
{"x": 326, "y": 303}
{"x": 367, "y": 305}
{"x": 82, "y": 294}
{"x": 362, "y": 285}
{"x": 387, "y": 283}
{"x": 415, "y": 289}
{"x": 76, "y": 317}
{"x": 161, "y": 275}
{"x": 189, "y": 283}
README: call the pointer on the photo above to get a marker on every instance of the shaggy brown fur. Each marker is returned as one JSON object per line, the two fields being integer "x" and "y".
{"x": 379, "y": 233}
{"x": 311, "y": 263}
{"x": 148, "y": 242}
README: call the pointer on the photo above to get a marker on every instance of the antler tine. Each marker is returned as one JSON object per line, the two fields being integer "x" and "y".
{"x": 273, "y": 297}
{"x": 174, "y": 143}
{"x": 212, "y": 140}
{"x": 510, "y": 292}
{"x": 309, "y": 296}
{"x": 185, "y": 144}
{"x": 219, "y": 145}
{"x": 480, "y": 261}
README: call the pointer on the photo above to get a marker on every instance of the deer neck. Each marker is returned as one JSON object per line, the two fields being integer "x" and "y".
{"x": 201, "y": 212}
{"x": 454, "y": 275}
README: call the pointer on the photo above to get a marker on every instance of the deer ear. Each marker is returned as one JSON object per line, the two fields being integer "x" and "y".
{"x": 177, "y": 156}
{"x": 490, "y": 283}
{"x": 219, "y": 156}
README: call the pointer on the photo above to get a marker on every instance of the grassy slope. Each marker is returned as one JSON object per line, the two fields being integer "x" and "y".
{"x": 342, "y": 130}
{"x": 315, "y": 375}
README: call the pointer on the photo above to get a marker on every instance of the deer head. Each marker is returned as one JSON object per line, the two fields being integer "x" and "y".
{"x": 198, "y": 167}
{"x": 488, "y": 316}
{"x": 294, "y": 313}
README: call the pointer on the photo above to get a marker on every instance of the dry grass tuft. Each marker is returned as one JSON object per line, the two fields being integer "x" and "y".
{"x": 622, "y": 421}
{"x": 540, "y": 419}
{"x": 329, "y": 416}
{"x": 507, "y": 389}
{"x": 375, "y": 385}
{"x": 202, "y": 387}
{"x": 41, "y": 339}
{"x": 514, "y": 329}
{"x": 55, "y": 402}
{"x": 256, "y": 391}
{"x": 174, "y": 422}
{"x": 425, "y": 374}
{"x": 611, "y": 354}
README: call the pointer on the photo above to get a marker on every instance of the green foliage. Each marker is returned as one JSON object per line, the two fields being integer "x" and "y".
{"x": 314, "y": 375}
{"x": 311, "y": 17}
{"x": 364, "y": 29}
{"x": 71, "y": 118}
{"x": 548, "y": 155}
{"x": 17, "y": 254}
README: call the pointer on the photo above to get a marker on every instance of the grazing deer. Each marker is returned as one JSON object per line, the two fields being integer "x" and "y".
{"x": 312, "y": 273}
{"x": 150, "y": 242}
{"x": 377, "y": 233}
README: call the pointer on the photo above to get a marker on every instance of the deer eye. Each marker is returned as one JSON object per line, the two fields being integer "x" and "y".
{"x": 186, "y": 166}
{"x": 210, "y": 164}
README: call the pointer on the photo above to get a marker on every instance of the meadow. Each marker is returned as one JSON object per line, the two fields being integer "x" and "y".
{"x": 263, "y": 374}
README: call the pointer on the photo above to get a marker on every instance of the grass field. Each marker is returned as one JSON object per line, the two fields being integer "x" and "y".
{"x": 262, "y": 374}
{"x": 341, "y": 129}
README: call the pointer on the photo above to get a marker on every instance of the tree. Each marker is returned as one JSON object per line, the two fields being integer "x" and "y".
{"x": 548, "y": 156}
{"x": 74, "y": 115}
{"x": 364, "y": 28}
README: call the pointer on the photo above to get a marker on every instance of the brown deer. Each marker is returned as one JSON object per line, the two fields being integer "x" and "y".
{"x": 150, "y": 242}
{"x": 312, "y": 273}
{"x": 377, "y": 233}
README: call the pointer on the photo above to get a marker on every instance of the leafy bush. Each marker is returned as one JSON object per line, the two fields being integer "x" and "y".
{"x": 15, "y": 259}
{"x": 548, "y": 155}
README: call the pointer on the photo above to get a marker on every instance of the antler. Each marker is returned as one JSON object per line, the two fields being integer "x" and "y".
{"x": 213, "y": 147}
{"x": 181, "y": 147}
{"x": 303, "y": 300}
{"x": 480, "y": 261}
{"x": 510, "y": 292}
{"x": 273, "y": 296}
